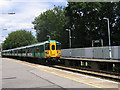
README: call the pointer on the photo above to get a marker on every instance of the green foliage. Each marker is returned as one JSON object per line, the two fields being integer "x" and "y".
{"x": 84, "y": 19}
{"x": 52, "y": 23}
{"x": 18, "y": 39}
{"x": 88, "y": 22}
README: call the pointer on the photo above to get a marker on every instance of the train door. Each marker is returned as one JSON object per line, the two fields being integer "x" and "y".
{"x": 53, "y": 52}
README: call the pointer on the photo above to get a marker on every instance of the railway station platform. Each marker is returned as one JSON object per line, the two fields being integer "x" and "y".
{"x": 109, "y": 68}
{"x": 112, "y": 66}
{"x": 91, "y": 60}
{"x": 21, "y": 74}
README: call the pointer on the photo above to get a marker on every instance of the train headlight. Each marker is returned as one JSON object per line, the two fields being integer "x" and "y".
{"x": 47, "y": 54}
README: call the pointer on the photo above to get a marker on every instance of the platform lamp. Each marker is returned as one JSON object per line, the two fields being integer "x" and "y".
{"x": 48, "y": 37}
{"x": 69, "y": 39}
{"x": 110, "y": 50}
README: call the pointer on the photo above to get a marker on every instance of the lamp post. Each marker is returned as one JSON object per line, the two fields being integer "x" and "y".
{"x": 48, "y": 37}
{"x": 69, "y": 37}
{"x": 110, "y": 50}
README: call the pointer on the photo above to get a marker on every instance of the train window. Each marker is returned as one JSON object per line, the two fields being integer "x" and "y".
{"x": 26, "y": 50}
{"x": 58, "y": 46}
{"x": 15, "y": 51}
{"x": 53, "y": 47}
{"x": 47, "y": 46}
{"x": 41, "y": 49}
{"x": 30, "y": 50}
{"x": 37, "y": 49}
{"x": 23, "y": 50}
{"x": 19, "y": 51}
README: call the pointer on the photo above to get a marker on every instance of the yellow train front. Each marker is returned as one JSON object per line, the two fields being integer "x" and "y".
{"x": 52, "y": 50}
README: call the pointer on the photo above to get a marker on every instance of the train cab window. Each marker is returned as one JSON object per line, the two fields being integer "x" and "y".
{"x": 58, "y": 46}
{"x": 53, "y": 47}
{"x": 47, "y": 46}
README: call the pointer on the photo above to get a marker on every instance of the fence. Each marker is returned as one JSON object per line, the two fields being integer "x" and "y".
{"x": 92, "y": 52}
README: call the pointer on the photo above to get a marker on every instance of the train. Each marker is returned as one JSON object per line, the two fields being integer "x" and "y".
{"x": 47, "y": 50}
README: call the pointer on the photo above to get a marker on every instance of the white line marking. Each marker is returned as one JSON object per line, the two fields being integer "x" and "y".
{"x": 79, "y": 74}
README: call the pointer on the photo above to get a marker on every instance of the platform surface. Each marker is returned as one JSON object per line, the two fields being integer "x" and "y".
{"x": 90, "y": 59}
{"x": 19, "y": 74}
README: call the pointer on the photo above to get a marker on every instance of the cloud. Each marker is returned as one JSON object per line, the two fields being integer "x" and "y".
{"x": 25, "y": 12}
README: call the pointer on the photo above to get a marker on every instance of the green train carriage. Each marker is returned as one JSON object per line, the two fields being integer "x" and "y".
{"x": 45, "y": 50}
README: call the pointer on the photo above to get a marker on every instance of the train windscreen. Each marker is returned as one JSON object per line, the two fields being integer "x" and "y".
{"x": 47, "y": 46}
{"x": 58, "y": 46}
{"x": 53, "y": 47}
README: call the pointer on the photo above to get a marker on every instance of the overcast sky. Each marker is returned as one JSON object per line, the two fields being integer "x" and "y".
{"x": 25, "y": 12}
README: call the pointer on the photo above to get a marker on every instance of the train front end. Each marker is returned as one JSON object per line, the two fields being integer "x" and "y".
{"x": 52, "y": 50}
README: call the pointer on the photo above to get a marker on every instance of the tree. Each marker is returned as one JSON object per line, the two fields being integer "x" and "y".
{"x": 88, "y": 22}
{"x": 1, "y": 47}
{"x": 18, "y": 39}
{"x": 52, "y": 23}
{"x": 116, "y": 30}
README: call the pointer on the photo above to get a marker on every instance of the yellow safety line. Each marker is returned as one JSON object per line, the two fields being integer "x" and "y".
{"x": 56, "y": 74}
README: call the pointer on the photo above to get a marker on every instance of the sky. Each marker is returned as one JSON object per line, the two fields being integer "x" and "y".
{"x": 25, "y": 12}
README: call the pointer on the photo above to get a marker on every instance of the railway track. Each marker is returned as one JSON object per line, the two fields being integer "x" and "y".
{"x": 100, "y": 74}
{"x": 88, "y": 72}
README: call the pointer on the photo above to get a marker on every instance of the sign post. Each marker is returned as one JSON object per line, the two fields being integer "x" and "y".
{"x": 97, "y": 42}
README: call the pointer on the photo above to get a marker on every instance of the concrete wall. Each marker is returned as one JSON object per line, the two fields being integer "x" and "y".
{"x": 92, "y": 52}
{"x": 88, "y": 52}
{"x": 119, "y": 52}
{"x": 78, "y": 52}
{"x": 65, "y": 52}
